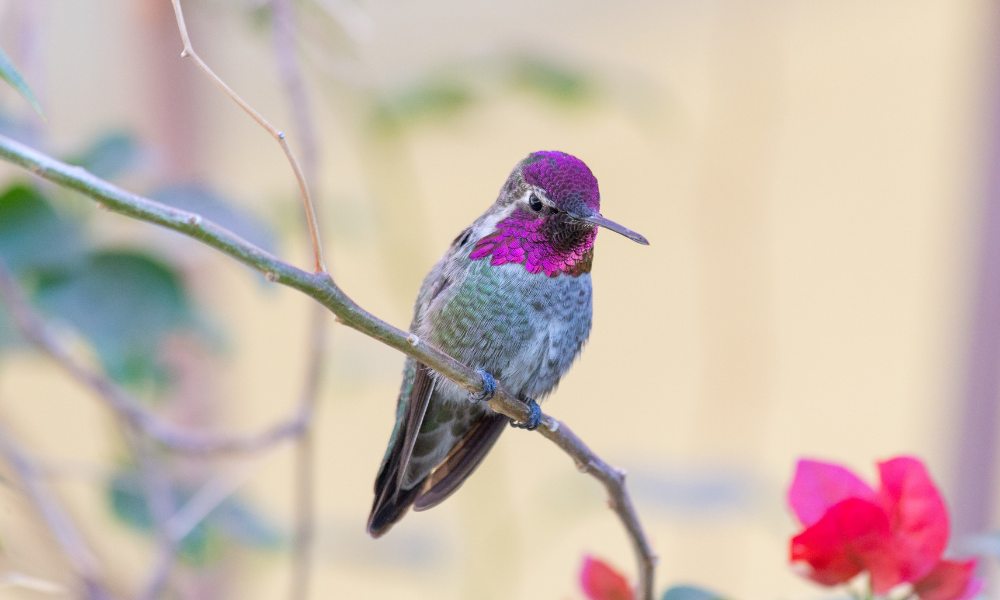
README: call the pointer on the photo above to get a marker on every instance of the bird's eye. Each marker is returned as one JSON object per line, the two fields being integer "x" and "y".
{"x": 535, "y": 203}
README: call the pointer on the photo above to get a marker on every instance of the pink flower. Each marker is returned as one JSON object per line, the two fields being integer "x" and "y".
{"x": 897, "y": 533}
{"x": 601, "y": 582}
{"x": 950, "y": 580}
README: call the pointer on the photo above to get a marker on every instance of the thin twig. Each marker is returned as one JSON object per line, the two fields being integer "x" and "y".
{"x": 210, "y": 496}
{"x": 618, "y": 498}
{"x": 305, "y": 463}
{"x": 182, "y": 522}
{"x": 303, "y": 534}
{"x": 284, "y": 34}
{"x": 279, "y": 136}
{"x": 69, "y": 538}
{"x": 159, "y": 498}
{"x": 322, "y": 288}
{"x": 34, "y": 329}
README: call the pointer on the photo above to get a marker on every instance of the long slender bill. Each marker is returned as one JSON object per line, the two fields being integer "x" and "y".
{"x": 598, "y": 219}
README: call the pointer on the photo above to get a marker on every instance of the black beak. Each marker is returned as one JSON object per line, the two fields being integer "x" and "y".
{"x": 598, "y": 219}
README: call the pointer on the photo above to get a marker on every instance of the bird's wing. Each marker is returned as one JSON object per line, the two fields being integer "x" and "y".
{"x": 391, "y": 498}
{"x": 468, "y": 451}
{"x": 392, "y": 494}
{"x": 463, "y": 459}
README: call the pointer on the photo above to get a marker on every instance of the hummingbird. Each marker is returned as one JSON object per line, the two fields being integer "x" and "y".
{"x": 511, "y": 297}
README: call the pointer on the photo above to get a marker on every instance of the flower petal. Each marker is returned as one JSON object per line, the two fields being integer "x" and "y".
{"x": 818, "y": 486}
{"x": 853, "y": 536}
{"x": 950, "y": 580}
{"x": 600, "y": 582}
{"x": 917, "y": 515}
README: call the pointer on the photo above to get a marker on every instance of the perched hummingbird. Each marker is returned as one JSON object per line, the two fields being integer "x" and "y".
{"x": 511, "y": 297}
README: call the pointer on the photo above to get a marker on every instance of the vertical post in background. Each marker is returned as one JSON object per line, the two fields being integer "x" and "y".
{"x": 172, "y": 125}
{"x": 979, "y": 419}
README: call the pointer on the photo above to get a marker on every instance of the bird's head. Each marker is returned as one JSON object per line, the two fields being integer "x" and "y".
{"x": 559, "y": 188}
{"x": 547, "y": 216}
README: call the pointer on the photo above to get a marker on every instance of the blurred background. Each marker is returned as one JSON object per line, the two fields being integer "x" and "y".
{"x": 818, "y": 181}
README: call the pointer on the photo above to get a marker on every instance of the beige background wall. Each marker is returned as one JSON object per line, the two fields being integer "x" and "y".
{"x": 807, "y": 174}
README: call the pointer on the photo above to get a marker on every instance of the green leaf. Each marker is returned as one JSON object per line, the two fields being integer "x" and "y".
{"x": 9, "y": 74}
{"x": 551, "y": 80}
{"x": 124, "y": 302}
{"x": 33, "y": 237}
{"x": 689, "y": 592}
{"x": 109, "y": 156}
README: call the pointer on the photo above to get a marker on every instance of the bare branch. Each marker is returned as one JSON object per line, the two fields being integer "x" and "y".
{"x": 182, "y": 522}
{"x": 209, "y": 497}
{"x": 618, "y": 498}
{"x": 303, "y": 534}
{"x": 284, "y": 34}
{"x": 158, "y": 493}
{"x": 188, "y": 52}
{"x": 305, "y": 461}
{"x": 69, "y": 538}
{"x": 322, "y": 288}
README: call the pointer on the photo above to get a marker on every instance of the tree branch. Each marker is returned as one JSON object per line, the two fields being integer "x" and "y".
{"x": 67, "y": 536}
{"x": 278, "y": 135}
{"x": 303, "y": 537}
{"x": 284, "y": 34}
{"x": 322, "y": 288}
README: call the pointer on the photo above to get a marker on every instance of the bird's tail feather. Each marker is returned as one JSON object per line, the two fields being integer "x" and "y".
{"x": 390, "y": 506}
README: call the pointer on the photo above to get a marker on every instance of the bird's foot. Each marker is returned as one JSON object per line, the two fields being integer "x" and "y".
{"x": 489, "y": 386}
{"x": 534, "y": 419}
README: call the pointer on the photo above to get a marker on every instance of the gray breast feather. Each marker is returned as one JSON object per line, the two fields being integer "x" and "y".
{"x": 526, "y": 329}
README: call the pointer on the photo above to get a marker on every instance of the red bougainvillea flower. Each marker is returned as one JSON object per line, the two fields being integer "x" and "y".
{"x": 896, "y": 533}
{"x": 950, "y": 580}
{"x": 601, "y": 582}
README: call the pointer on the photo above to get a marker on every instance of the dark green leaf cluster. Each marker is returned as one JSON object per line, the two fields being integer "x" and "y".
{"x": 123, "y": 301}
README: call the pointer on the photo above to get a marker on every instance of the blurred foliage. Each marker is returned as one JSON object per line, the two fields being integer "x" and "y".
{"x": 424, "y": 100}
{"x": 33, "y": 237}
{"x": 551, "y": 80}
{"x": 445, "y": 93}
{"x": 233, "y": 520}
{"x": 688, "y": 592}
{"x": 9, "y": 74}
{"x": 109, "y": 156}
{"x": 125, "y": 303}
{"x": 199, "y": 198}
